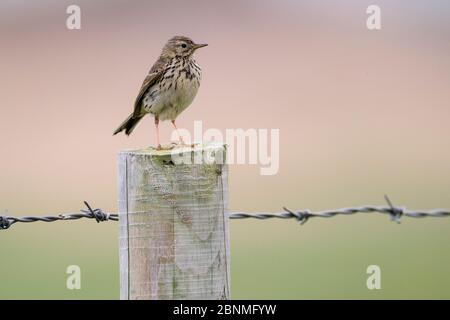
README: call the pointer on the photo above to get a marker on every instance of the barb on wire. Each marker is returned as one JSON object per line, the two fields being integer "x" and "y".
{"x": 302, "y": 216}
{"x": 396, "y": 213}
{"x": 98, "y": 214}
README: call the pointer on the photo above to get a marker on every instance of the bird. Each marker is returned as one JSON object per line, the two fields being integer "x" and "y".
{"x": 169, "y": 88}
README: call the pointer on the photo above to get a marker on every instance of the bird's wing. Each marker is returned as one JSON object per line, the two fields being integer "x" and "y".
{"x": 154, "y": 75}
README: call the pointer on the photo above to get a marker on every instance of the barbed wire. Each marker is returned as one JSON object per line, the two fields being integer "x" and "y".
{"x": 97, "y": 214}
{"x": 302, "y": 216}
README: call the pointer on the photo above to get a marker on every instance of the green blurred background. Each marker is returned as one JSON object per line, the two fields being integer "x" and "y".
{"x": 361, "y": 114}
{"x": 324, "y": 259}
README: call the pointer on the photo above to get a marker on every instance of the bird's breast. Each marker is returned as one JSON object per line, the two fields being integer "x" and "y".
{"x": 186, "y": 82}
{"x": 177, "y": 89}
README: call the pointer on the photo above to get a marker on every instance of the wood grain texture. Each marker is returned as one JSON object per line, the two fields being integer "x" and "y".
{"x": 173, "y": 224}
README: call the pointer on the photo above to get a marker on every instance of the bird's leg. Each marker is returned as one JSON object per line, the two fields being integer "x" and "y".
{"x": 157, "y": 133}
{"x": 179, "y": 136}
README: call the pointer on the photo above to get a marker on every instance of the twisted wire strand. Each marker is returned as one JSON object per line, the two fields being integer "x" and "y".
{"x": 89, "y": 213}
{"x": 302, "y": 216}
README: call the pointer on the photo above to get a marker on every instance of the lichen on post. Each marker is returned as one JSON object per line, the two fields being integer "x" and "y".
{"x": 173, "y": 223}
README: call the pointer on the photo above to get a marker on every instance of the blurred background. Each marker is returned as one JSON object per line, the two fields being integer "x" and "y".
{"x": 361, "y": 114}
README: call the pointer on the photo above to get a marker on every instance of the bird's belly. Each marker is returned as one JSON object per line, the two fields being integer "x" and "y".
{"x": 173, "y": 101}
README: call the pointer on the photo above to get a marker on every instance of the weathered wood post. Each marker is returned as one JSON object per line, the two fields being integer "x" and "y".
{"x": 173, "y": 223}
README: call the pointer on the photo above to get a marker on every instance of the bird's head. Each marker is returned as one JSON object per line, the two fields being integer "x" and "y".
{"x": 180, "y": 46}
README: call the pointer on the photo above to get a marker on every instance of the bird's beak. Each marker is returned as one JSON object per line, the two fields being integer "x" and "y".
{"x": 196, "y": 46}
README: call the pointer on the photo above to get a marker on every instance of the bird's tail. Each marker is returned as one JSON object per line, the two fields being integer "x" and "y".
{"x": 128, "y": 125}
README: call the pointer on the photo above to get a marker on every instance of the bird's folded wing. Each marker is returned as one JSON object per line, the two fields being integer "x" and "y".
{"x": 151, "y": 79}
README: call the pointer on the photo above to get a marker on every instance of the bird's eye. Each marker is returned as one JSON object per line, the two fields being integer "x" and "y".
{"x": 184, "y": 45}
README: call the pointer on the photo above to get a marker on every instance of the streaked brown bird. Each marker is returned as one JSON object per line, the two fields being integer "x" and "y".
{"x": 170, "y": 86}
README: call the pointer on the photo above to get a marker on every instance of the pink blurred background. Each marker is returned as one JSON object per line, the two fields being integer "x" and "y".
{"x": 361, "y": 113}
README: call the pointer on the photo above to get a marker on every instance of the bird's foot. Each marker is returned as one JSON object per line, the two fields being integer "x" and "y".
{"x": 177, "y": 143}
{"x": 164, "y": 147}
{"x": 158, "y": 147}
{"x": 182, "y": 143}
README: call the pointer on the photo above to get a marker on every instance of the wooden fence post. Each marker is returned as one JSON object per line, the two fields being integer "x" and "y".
{"x": 173, "y": 223}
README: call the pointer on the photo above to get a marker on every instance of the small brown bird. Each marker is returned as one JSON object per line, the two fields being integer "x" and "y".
{"x": 170, "y": 86}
